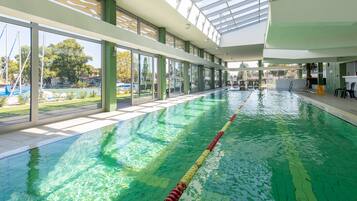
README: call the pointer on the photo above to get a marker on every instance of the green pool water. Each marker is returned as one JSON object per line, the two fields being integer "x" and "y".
{"x": 279, "y": 148}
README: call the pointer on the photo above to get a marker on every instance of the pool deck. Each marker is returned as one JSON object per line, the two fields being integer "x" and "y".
{"x": 23, "y": 140}
{"x": 345, "y": 109}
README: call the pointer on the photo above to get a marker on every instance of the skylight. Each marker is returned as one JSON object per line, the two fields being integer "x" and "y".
{"x": 192, "y": 13}
{"x": 230, "y": 15}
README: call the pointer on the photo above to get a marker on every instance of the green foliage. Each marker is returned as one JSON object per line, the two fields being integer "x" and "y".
{"x": 124, "y": 67}
{"x": 81, "y": 84}
{"x": 70, "y": 96}
{"x": 67, "y": 60}
{"x": 82, "y": 94}
{"x": 22, "y": 100}
{"x": 2, "y": 101}
{"x": 145, "y": 70}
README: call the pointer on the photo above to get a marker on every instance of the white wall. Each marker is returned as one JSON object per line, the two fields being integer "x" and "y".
{"x": 247, "y": 36}
{"x": 284, "y": 84}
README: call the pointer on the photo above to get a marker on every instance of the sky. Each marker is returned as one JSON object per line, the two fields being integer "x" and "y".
{"x": 91, "y": 49}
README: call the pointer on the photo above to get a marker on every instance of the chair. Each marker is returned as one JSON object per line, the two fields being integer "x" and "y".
{"x": 351, "y": 91}
{"x": 342, "y": 89}
{"x": 242, "y": 86}
{"x": 250, "y": 84}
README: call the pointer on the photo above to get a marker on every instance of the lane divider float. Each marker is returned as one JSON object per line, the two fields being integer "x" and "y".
{"x": 176, "y": 193}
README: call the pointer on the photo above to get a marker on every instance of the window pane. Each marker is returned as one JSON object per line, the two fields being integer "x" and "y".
{"x": 88, "y": 7}
{"x": 170, "y": 40}
{"x": 123, "y": 78}
{"x": 194, "y": 79}
{"x": 149, "y": 31}
{"x": 217, "y": 78}
{"x": 179, "y": 44}
{"x": 143, "y": 78}
{"x": 208, "y": 80}
{"x": 127, "y": 22}
{"x": 70, "y": 75}
{"x": 15, "y": 71}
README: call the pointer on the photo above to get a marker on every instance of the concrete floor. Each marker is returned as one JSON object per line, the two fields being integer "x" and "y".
{"x": 345, "y": 109}
{"x": 19, "y": 141}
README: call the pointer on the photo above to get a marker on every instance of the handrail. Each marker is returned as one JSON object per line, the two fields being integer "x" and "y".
{"x": 176, "y": 193}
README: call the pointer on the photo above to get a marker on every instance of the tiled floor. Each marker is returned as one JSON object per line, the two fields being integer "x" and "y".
{"x": 344, "y": 108}
{"x": 23, "y": 140}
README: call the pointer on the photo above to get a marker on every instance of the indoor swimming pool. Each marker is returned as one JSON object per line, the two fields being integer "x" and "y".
{"x": 278, "y": 148}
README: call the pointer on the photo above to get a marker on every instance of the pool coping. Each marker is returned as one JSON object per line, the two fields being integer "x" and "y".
{"x": 15, "y": 136}
{"x": 346, "y": 116}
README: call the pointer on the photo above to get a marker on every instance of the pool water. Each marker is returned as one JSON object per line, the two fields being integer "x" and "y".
{"x": 279, "y": 148}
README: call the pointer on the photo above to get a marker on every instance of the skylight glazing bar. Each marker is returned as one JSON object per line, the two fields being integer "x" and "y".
{"x": 265, "y": 3}
{"x": 243, "y": 18}
{"x": 243, "y": 22}
{"x": 214, "y": 4}
{"x": 234, "y": 6}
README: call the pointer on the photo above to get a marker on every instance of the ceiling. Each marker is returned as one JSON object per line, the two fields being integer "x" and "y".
{"x": 319, "y": 25}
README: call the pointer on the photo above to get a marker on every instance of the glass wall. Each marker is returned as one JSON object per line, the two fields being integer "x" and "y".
{"x": 123, "y": 83}
{"x": 216, "y": 79}
{"x": 149, "y": 31}
{"x": 194, "y": 50}
{"x": 216, "y": 60}
{"x": 15, "y": 72}
{"x": 70, "y": 74}
{"x": 127, "y": 21}
{"x": 174, "y": 77}
{"x": 179, "y": 44}
{"x": 144, "y": 75}
{"x": 207, "y": 56}
{"x": 89, "y": 7}
{"x": 194, "y": 78}
{"x": 170, "y": 40}
{"x": 208, "y": 78}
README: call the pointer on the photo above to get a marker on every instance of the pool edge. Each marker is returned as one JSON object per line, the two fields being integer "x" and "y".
{"x": 346, "y": 116}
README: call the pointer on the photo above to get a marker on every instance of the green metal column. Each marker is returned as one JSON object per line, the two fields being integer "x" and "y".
{"x": 299, "y": 72}
{"x": 213, "y": 78}
{"x": 109, "y": 59}
{"x": 162, "y": 76}
{"x": 225, "y": 78}
{"x": 186, "y": 68}
{"x": 201, "y": 78}
{"x": 260, "y": 64}
{"x": 308, "y": 70}
{"x": 320, "y": 80}
{"x": 201, "y": 73}
{"x": 162, "y": 66}
{"x": 308, "y": 75}
{"x": 220, "y": 78}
